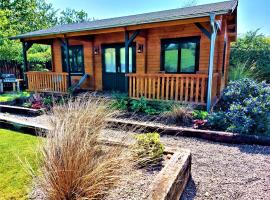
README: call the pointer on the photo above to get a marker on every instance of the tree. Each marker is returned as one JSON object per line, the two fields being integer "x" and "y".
{"x": 253, "y": 49}
{"x": 68, "y": 16}
{"x": 21, "y": 16}
{"x": 188, "y": 3}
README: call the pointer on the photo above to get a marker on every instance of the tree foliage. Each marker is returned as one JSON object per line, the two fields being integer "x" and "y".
{"x": 253, "y": 49}
{"x": 21, "y": 16}
{"x": 69, "y": 16}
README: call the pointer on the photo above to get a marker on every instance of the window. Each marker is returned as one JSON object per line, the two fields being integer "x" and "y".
{"x": 76, "y": 61}
{"x": 110, "y": 60}
{"x": 180, "y": 55}
{"x": 123, "y": 61}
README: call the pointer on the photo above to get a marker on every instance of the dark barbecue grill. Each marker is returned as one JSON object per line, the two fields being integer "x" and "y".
{"x": 8, "y": 78}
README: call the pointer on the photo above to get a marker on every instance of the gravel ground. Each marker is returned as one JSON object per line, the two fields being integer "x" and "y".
{"x": 219, "y": 171}
{"x": 222, "y": 171}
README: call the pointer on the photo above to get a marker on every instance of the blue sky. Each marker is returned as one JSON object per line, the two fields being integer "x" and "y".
{"x": 252, "y": 14}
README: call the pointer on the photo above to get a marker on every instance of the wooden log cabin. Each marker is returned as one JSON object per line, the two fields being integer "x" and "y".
{"x": 180, "y": 54}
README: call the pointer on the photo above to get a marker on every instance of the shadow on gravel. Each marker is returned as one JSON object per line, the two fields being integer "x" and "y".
{"x": 190, "y": 191}
{"x": 254, "y": 149}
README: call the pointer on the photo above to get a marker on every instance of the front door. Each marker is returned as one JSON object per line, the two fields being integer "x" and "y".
{"x": 113, "y": 64}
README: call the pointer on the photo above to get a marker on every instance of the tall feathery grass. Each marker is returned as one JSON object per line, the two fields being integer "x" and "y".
{"x": 242, "y": 70}
{"x": 74, "y": 164}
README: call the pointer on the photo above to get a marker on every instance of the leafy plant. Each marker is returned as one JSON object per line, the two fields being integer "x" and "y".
{"x": 47, "y": 101}
{"x": 120, "y": 101}
{"x": 148, "y": 149}
{"x": 200, "y": 114}
{"x": 139, "y": 105}
{"x": 244, "y": 108}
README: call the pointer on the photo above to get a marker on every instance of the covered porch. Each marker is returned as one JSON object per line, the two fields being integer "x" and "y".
{"x": 151, "y": 78}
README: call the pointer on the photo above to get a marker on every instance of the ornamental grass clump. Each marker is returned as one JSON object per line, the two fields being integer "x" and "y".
{"x": 148, "y": 150}
{"x": 179, "y": 114}
{"x": 74, "y": 164}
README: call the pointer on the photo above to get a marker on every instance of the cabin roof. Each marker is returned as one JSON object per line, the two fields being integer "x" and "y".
{"x": 146, "y": 18}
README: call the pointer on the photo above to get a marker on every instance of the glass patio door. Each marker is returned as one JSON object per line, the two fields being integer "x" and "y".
{"x": 113, "y": 60}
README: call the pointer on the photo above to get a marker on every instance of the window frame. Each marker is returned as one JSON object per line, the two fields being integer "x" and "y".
{"x": 179, "y": 41}
{"x": 64, "y": 64}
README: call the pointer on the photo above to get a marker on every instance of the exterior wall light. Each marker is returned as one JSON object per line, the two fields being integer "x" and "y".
{"x": 140, "y": 48}
{"x": 96, "y": 50}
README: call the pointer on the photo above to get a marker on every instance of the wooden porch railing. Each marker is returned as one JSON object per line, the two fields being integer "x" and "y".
{"x": 47, "y": 82}
{"x": 189, "y": 88}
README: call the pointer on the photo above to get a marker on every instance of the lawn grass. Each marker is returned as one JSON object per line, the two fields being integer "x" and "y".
{"x": 15, "y": 181}
{"x": 13, "y": 95}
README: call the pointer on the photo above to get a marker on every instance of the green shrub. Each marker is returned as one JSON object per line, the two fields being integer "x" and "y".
{"x": 200, "y": 114}
{"x": 148, "y": 149}
{"x": 152, "y": 107}
{"x": 244, "y": 108}
{"x": 251, "y": 48}
{"x": 120, "y": 101}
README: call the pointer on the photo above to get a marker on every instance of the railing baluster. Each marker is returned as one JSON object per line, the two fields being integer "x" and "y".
{"x": 187, "y": 88}
{"x": 192, "y": 90}
{"x": 154, "y": 87}
{"x": 197, "y": 89}
{"x": 176, "y": 88}
{"x": 149, "y": 88}
{"x": 167, "y": 88}
{"x": 158, "y": 88}
{"x": 172, "y": 88}
{"x": 182, "y": 89}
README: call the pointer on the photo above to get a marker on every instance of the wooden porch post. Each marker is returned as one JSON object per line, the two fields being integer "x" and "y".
{"x": 128, "y": 42}
{"x": 126, "y": 58}
{"x": 66, "y": 46}
{"x": 215, "y": 26}
{"x": 26, "y": 46}
{"x": 214, "y": 29}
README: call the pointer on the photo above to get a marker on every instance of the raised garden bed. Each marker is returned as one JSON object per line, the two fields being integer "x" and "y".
{"x": 166, "y": 182}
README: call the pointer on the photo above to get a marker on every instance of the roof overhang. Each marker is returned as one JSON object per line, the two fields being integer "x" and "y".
{"x": 127, "y": 25}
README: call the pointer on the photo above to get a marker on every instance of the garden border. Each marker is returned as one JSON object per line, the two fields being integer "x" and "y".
{"x": 215, "y": 136}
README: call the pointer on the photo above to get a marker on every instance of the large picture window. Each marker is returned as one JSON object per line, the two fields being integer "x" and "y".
{"x": 75, "y": 59}
{"x": 180, "y": 55}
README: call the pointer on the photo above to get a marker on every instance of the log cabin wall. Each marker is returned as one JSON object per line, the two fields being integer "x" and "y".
{"x": 150, "y": 60}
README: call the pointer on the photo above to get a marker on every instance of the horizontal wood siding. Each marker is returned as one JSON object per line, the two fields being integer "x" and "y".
{"x": 149, "y": 60}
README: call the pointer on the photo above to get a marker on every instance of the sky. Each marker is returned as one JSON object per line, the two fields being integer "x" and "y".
{"x": 252, "y": 14}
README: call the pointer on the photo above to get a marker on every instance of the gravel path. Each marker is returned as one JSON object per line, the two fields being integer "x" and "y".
{"x": 219, "y": 171}
{"x": 222, "y": 171}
